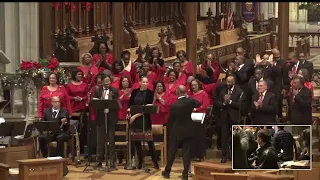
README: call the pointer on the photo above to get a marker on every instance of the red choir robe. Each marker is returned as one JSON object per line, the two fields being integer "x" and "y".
{"x": 216, "y": 68}
{"x": 89, "y": 77}
{"x": 189, "y": 67}
{"x": 45, "y": 99}
{"x": 80, "y": 90}
{"x": 152, "y": 77}
{"x": 121, "y": 74}
{"x": 122, "y": 113}
{"x": 159, "y": 71}
{"x": 109, "y": 59}
{"x": 173, "y": 88}
{"x": 132, "y": 68}
{"x": 137, "y": 86}
{"x": 209, "y": 89}
{"x": 204, "y": 100}
{"x": 162, "y": 116}
{"x": 116, "y": 82}
{"x": 182, "y": 79}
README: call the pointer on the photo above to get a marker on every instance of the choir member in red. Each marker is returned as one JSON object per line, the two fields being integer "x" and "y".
{"x": 118, "y": 70}
{"x": 157, "y": 64}
{"x": 152, "y": 76}
{"x": 105, "y": 56}
{"x": 186, "y": 66}
{"x": 209, "y": 62}
{"x": 89, "y": 70}
{"x": 124, "y": 97}
{"x": 190, "y": 78}
{"x": 163, "y": 100}
{"x": 182, "y": 79}
{"x": 53, "y": 89}
{"x": 199, "y": 142}
{"x": 115, "y": 81}
{"x": 207, "y": 82}
{"x": 129, "y": 65}
{"x": 137, "y": 84}
{"x": 78, "y": 93}
{"x": 172, "y": 84}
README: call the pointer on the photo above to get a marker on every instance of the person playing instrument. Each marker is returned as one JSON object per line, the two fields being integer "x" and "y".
{"x": 106, "y": 92}
{"x": 104, "y": 59}
{"x": 61, "y": 115}
{"x": 142, "y": 96}
{"x": 90, "y": 71}
{"x": 53, "y": 89}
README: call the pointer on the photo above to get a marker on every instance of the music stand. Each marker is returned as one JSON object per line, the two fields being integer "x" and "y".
{"x": 18, "y": 128}
{"x": 47, "y": 126}
{"x": 5, "y": 129}
{"x": 111, "y": 104}
{"x": 144, "y": 109}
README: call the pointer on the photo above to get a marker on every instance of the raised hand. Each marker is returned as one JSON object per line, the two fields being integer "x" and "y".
{"x": 258, "y": 59}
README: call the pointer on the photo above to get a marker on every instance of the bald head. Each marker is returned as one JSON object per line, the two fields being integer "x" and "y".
{"x": 55, "y": 102}
{"x": 292, "y": 57}
{"x": 240, "y": 51}
{"x": 190, "y": 78}
{"x": 230, "y": 82}
{"x": 181, "y": 91}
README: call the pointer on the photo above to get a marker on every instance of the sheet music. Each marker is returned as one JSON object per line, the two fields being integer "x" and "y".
{"x": 198, "y": 117}
{"x": 54, "y": 158}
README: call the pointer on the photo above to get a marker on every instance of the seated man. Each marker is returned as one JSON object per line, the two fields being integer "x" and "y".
{"x": 61, "y": 115}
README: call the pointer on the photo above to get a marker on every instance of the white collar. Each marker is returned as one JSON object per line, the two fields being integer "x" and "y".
{"x": 128, "y": 67}
{"x": 241, "y": 66}
{"x": 231, "y": 88}
{"x": 181, "y": 97}
{"x": 264, "y": 93}
{"x": 298, "y": 64}
{"x": 55, "y": 110}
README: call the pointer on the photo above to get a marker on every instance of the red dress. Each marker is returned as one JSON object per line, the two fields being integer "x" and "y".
{"x": 46, "y": 95}
{"x": 137, "y": 86}
{"x": 80, "y": 90}
{"x": 162, "y": 116}
{"x": 204, "y": 100}
{"x": 216, "y": 68}
{"x": 109, "y": 59}
{"x": 88, "y": 78}
{"x": 116, "y": 83}
{"x": 159, "y": 71}
{"x": 188, "y": 67}
{"x": 182, "y": 79}
{"x": 173, "y": 88}
{"x": 152, "y": 77}
{"x": 121, "y": 74}
{"x": 122, "y": 113}
{"x": 209, "y": 89}
{"x": 133, "y": 71}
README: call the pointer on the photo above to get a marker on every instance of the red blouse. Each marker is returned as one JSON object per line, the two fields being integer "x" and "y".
{"x": 182, "y": 79}
{"x": 109, "y": 59}
{"x": 152, "y": 77}
{"x": 173, "y": 88}
{"x": 204, "y": 100}
{"x": 122, "y": 113}
{"x": 46, "y": 95}
{"x": 88, "y": 77}
{"x": 189, "y": 67}
{"x": 159, "y": 71}
{"x": 216, "y": 68}
{"x": 80, "y": 90}
{"x": 116, "y": 83}
{"x": 133, "y": 72}
{"x": 209, "y": 89}
{"x": 162, "y": 116}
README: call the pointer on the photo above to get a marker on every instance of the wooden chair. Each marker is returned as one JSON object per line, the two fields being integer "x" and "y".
{"x": 121, "y": 138}
{"x": 4, "y": 171}
{"x": 159, "y": 133}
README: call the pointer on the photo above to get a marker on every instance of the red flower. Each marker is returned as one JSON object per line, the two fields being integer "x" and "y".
{"x": 26, "y": 65}
{"x": 87, "y": 5}
{"x": 36, "y": 65}
{"x": 67, "y": 5}
{"x": 53, "y": 64}
{"x": 288, "y": 64}
{"x": 56, "y": 4}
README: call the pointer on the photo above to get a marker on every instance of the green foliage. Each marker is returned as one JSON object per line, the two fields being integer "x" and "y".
{"x": 309, "y": 5}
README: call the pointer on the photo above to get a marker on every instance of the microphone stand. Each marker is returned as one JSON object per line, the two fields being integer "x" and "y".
{"x": 86, "y": 169}
{"x": 147, "y": 170}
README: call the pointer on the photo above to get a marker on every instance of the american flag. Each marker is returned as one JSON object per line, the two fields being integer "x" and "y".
{"x": 229, "y": 19}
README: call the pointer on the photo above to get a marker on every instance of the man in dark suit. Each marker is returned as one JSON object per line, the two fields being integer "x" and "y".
{"x": 303, "y": 63}
{"x": 106, "y": 92}
{"x": 300, "y": 100}
{"x": 229, "y": 103}
{"x": 56, "y": 113}
{"x": 182, "y": 130}
{"x": 278, "y": 76}
{"x": 264, "y": 105}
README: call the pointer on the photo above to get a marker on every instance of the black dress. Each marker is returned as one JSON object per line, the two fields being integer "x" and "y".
{"x": 139, "y": 97}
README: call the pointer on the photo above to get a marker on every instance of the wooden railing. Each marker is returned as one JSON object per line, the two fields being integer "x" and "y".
{"x": 314, "y": 38}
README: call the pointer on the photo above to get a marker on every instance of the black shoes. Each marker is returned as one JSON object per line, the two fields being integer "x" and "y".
{"x": 165, "y": 175}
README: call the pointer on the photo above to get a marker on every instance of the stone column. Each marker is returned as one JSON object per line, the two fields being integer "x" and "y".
{"x": 213, "y": 6}
{"x": 233, "y": 7}
{"x": 276, "y": 7}
{"x": 191, "y": 34}
{"x": 204, "y": 6}
{"x": 117, "y": 25}
{"x": 264, "y": 9}
{"x": 270, "y": 10}
{"x": 283, "y": 30}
